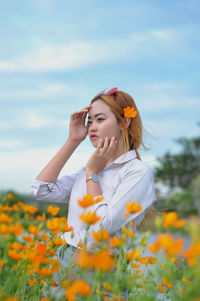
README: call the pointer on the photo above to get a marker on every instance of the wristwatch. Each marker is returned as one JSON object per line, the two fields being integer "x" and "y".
{"x": 93, "y": 177}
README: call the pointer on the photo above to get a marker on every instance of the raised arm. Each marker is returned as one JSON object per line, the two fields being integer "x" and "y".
{"x": 77, "y": 133}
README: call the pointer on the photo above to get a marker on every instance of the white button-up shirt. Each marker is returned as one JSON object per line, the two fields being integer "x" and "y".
{"x": 126, "y": 179}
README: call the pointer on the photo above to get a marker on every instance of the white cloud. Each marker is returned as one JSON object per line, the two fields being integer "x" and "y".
{"x": 35, "y": 121}
{"x": 47, "y": 91}
{"x": 11, "y": 144}
{"x": 32, "y": 120}
{"x": 5, "y": 125}
{"x": 78, "y": 54}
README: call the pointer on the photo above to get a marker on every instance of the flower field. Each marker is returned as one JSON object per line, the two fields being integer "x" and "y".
{"x": 165, "y": 269}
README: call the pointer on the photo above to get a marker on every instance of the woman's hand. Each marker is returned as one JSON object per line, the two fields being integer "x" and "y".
{"x": 99, "y": 159}
{"x": 77, "y": 129}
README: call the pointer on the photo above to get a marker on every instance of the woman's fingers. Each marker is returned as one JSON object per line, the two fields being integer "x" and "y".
{"x": 108, "y": 147}
{"x": 82, "y": 113}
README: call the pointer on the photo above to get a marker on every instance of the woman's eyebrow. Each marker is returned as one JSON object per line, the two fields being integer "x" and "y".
{"x": 96, "y": 115}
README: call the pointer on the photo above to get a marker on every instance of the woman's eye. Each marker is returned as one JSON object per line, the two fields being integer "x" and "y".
{"x": 100, "y": 119}
{"x": 97, "y": 120}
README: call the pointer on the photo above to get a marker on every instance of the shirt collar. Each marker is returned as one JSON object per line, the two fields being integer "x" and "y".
{"x": 123, "y": 158}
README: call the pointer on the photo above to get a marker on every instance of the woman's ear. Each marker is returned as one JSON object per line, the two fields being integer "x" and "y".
{"x": 127, "y": 121}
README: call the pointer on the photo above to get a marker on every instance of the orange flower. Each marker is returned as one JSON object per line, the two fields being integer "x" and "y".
{"x": 130, "y": 112}
{"x": 57, "y": 225}
{"x": 115, "y": 241}
{"x": 135, "y": 254}
{"x": 192, "y": 253}
{"x": 43, "y": 271}
{"x": 16, "y": 228}
{"x": 16, "y": 245}
{"x": 4, "y": 218}
{"x": 32, "y": 282}
{"x": 167, "y": 283}
{"x": 1, "y": 263}
{"x": 132, "y": 208}
{"x": 101, "y": 235}
{"x": 85, "y": 259}
{"x": 45, "y": 237}
{"x": 11, "y": 197}
{"x": 161, "y": 290}
{"x": 28, "y": 208}
{"x": 129, "y": 232}
{"x": 107, "y": 286}
{"x": 55, "y": 265}
{"x": 78, "y": 287}
{"x": 59, "y": 241}
{"x": 170, "y": 219}
{"x": 12, "y": 299}
{"x": 88, "y": 200}
{"x": 186, "y": 280}
{"x": 28, "y": 238}
{"x": 41, "y": 218}
{"x": 34, "y": 230}
{"x": 80, "y": 244}
{"x": 15, "y": 255}
{"x": 41, "y": 248}
{"x": 104, "y": 260}
{"x": 171, "y": 246}
{"x": 53, "y": 210}
{"x": 44, "y": 299}
{"x": 89, "y": 217}
{"x": 132, "y": 224}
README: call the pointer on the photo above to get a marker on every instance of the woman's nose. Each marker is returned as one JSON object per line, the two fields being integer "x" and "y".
{"x": 93, "y": 127}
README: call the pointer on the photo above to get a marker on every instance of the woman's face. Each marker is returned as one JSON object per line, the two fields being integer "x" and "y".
{"x": 102, "y": 125}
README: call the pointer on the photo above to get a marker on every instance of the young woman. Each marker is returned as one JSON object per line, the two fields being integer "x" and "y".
{"x": 115, "y": 169}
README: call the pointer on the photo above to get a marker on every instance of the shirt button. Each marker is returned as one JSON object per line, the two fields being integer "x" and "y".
{"x": 52, "y": 186}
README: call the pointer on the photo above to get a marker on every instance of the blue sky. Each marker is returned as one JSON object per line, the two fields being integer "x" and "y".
{"x": 56, "y": 55}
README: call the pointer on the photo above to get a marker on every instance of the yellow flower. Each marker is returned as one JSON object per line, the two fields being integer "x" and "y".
{"x": 132, "y": 208}
{"x": 115, "y": 241}
{"x": 135, "y": 254}
{"x": 186, "y": 281}
{"x": 107, "y": 286}
{"x": 101, "y": 235}
{"x": 130, "y": 112}
{"x": 89, "y": 217}
{"x": 170, "y": 219}
{"x": 167, "y": 283}
{"x": 53, "y": 210}
{"x": 88, "y": 200}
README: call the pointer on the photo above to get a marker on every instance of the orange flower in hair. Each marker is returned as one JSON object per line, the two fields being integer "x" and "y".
{"x": 130, "y": 112}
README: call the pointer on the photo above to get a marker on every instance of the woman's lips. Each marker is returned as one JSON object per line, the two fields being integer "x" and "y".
{"x": 93, "y": 137}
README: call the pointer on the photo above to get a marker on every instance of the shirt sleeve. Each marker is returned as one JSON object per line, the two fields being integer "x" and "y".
{"x": 136, "y": 185}
{"x": 58, "y": 191}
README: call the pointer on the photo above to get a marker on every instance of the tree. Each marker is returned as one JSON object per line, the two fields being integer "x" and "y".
{"x": 180, "y": 169}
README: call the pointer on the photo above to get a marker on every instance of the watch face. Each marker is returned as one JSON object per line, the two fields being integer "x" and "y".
{"x": 95, "y": 178}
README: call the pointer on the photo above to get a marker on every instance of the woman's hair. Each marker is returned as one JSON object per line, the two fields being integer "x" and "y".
{"x": 133, "y": 135}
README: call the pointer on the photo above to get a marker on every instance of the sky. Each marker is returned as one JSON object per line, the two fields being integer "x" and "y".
{"x": 55, "y": 56}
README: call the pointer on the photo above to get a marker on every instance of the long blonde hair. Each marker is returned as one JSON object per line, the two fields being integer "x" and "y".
{"x": 133, "y": 135}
